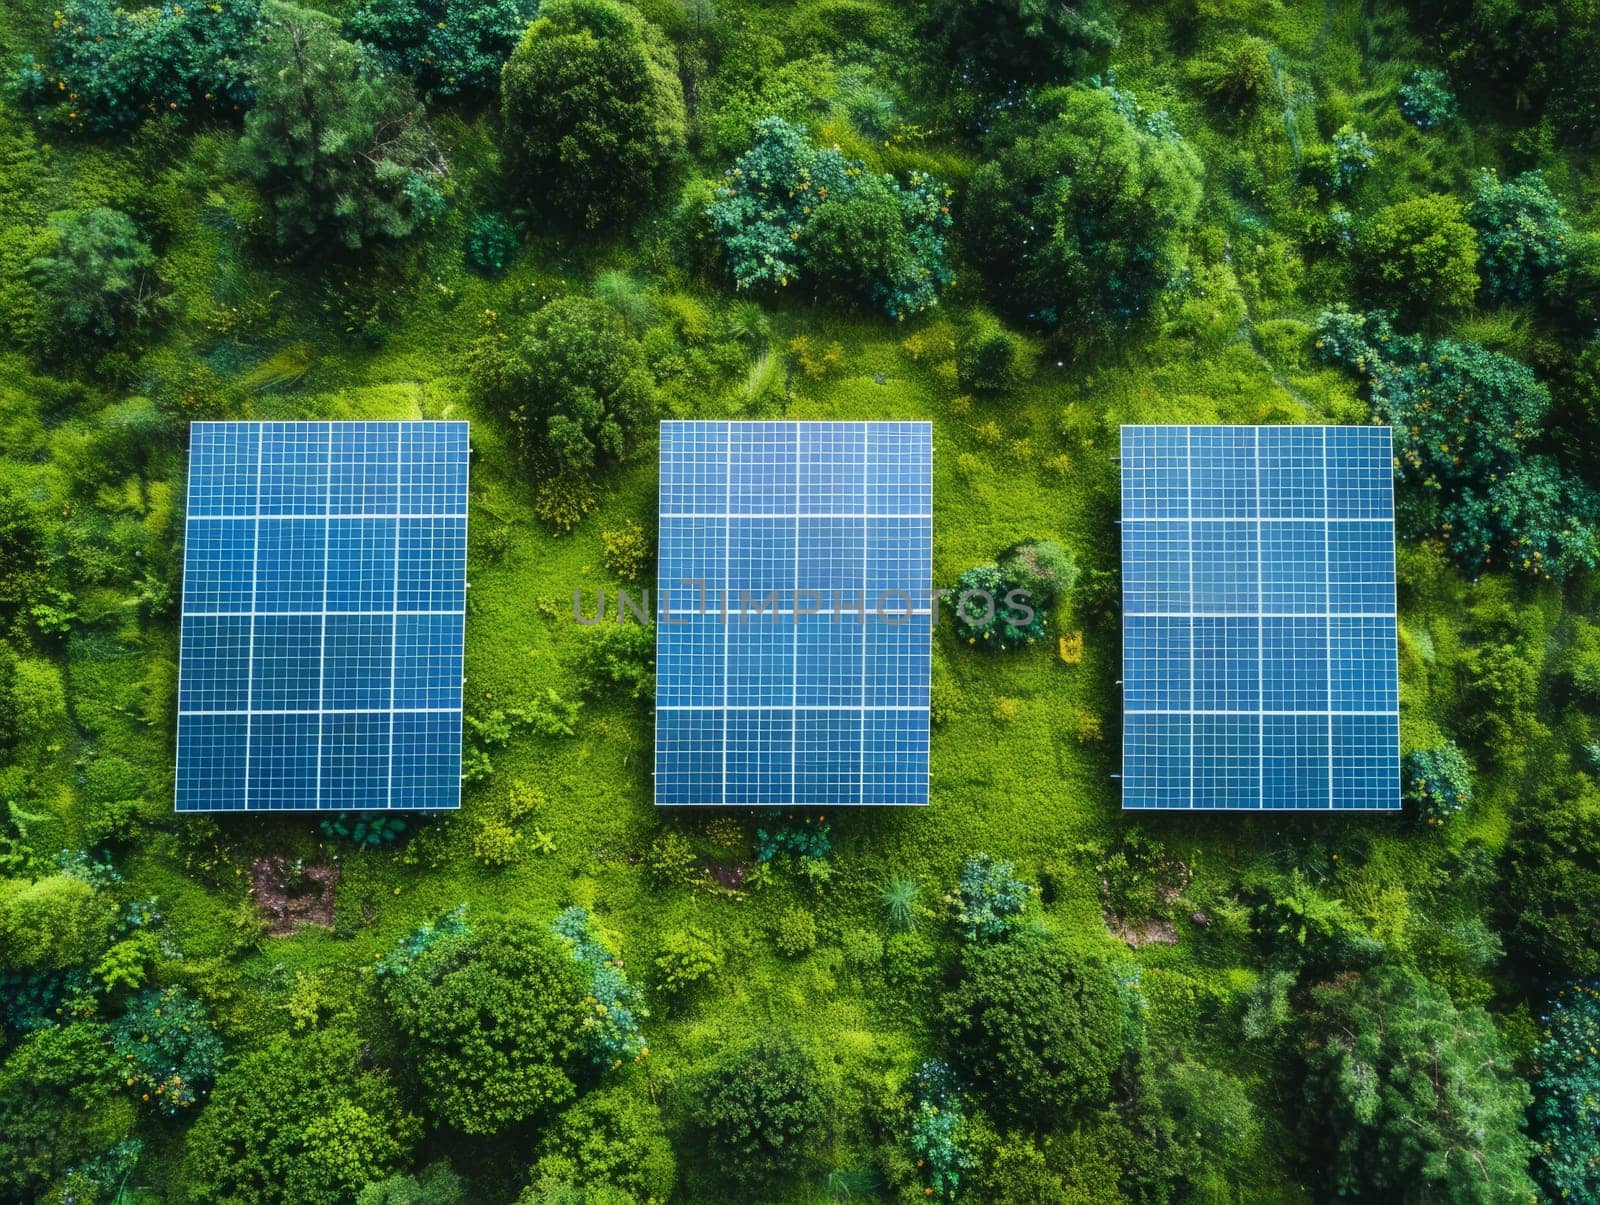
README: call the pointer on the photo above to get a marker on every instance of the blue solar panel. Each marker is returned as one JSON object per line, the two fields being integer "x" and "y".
{"x": 821, "y": 701}
{"x": 324, "y": 591}
{"x": 1259, "y": 662}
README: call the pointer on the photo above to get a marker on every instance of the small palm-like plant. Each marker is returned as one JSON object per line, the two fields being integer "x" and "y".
{"x": 900, "y": 902}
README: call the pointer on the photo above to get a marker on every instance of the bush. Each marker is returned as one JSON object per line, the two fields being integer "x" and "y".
{"x": 1038, "y": 1027}
{"x": 297, "y": 1121}
{"x": 447, "y": 46}
{"x": 1426, "y": 99}
{"x": 625, "y": 551}
{"x": 492, "y": 1020}
{"x": 1578, "y": 670}
{"x": 1565, "y": 1118}
{"x": 435, "y": 1184}
{"x": 1552, "y": 878}
{"x": 788, "y": 212}
{"x": 686, "y": 959}
{"x": 1421, "y": 255}
{"x": 1096, "y": 258}
{"x": 1438, "y": 782}
{"x": 994, "y": 611}
{"x": 169, "y": 1050}
{"x": 491, "y": 245}
{"x": 99, "y": 280}
{"x": 671, "y": 860}
{"x": 988, "y": 899}
{"x": 111, "y": 66}
{"x": 1041, "y": 568}
{"x": 612, "y": 1008}
{"x": 611, "y": 1138}
{"x": 795, "y": 933}
{"x": 989, "y": 358}
{"x": 341, "y": 157}
{"x": 764, "y": 1113}
{"x": 1407, "y": 1095}
{"x": 1336, "y": 168}
{"x": 1007, "y": 41}
{"x": 1241, "y": 78}
{"x": 592, "y": 103}
{"x": 573, "y": 386}
{"x": 53, "y": 923}
{"x": 56, "y": 1108}
{"x": 1522, "y": 235}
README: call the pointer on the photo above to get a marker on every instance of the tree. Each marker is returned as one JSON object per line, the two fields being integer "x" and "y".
{"x": 99, "y": 279}
{"x": 1421, "y": 255}
{"x": 447, "y": 46}
{"x": 573, "y": 386}
{"x": 112, "y": 66}
{"x": 1040, "y": 1027}
{"x": 1079, "y": 221}
{"x": 1565, "y": 1118}
{"x": 764, "y": 1112}
{"x": 56, "y": 1106}
{"x": 297, "y": 1121}
{"x": 1004, "y": 41}
{"x": 592, "y": 103}
{"x": 1241, "y": 78}
{"x": 168, "y": 1049}
{"x": 1522, "y": 236}
{"x": 1438, "y": 782}
{"x": 1407, "y": 1096}
{"x": 612, "y": 1137}
{"x": 342, "y": 157}
{"x": 1552, "y": 869}
{"x": 491, "y": 1017}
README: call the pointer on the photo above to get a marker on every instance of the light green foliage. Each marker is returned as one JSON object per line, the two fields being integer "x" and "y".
{"x": 795, "y": 933}
{"x": 297, "y": 1120}
{"x": 671, "y": 859}
{"x": 1437, "y": 782}
{"x": 572, "y": 384}
{"x": 612, "y": 1008}
{"x": 52, "y": 923}
{"x": 1339, "y": 166}
{"x": 112, "y": 66}
{"x": 1522, "y": 235}
{"x": 168, "y": 1050}
{"x": 989, "y": 898}
{"x": 765, "y": 1113}
{"x": 617, "y": 661}
{"x": 611, "y": 1138}
{"x": 1093, "y": 259}
{"x": 342, "y": 158}
{"x": 625, "y": 550}
{"x": 435, "y": 1184}
{"x": 449, "y": 46}
{"x": 1579, "y": 670}
{"x": 899, "y": 900}
{"x": 55, "y": 1106}
{"x": 99, "y": 279}
{"x": 492, "y": 1020}
{"x": 685, "y": 959}
{"x": 1413, "y": 1094}
{"x": 1215, "y": 1126}
{"x": 1421, "y": 255}
{"x": 593, "y": 105}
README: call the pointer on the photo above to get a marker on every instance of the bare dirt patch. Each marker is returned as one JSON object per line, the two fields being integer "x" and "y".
{"x": 1143, "y": 933}
{"x": 291, "y": 895}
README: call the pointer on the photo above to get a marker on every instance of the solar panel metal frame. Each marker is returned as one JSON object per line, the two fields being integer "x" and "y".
{"x": 1278, "y": 735}
{"x": 407, "y": 584}
{"x": 789, "y": 497}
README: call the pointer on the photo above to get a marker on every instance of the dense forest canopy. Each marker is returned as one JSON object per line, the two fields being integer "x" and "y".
{"x": 1027, "y": 222}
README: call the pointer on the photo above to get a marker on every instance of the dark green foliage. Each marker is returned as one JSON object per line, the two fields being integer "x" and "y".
{"x": 1522, "y": 236}
{"x": 98, "y": 280}
{"x": 1407, "y": 1096}
{"x": 612, "y": 1008}
{"x": 168, "y": 1050}
{"x": 994, "y": 610}
{"x": 1437, "y": 782}
{"x": 297, "y": 1121}
{"x": 1241, "y": 78}
{"x": 989, "y": 358}
{"x": 111, "y": 66}
{"x": 593, "y": 105}
{"x": 1420, "y": 255}
{"x": 765, "y": 1113}
{"x": 937, "y": 1134}
{"x": 805, "y": 838}
{"x": 491, "y": 245}
{"x": 1008, "y": 41}
{"x": 572, "y": 384}
{"x": 1565, "y": 1117}
{"x": 493, "y": 1022}
{"x": 1426, "y": 99}
{"x": 447, "y": 46}
{"x": 1214, "y": 1127}
{"x": 55, "y": 1106}
{"x": 612, "y": 1138}
{"x": 989, "y": 898}
{"x": 1463, "y": 417}
{"x": 10, "y": 727}
{"x": 1337, "y": 167}
{"x": 435, "y": 1184}
{"x": 22, "y": 553}
{"x": 1035, "y": 1027}
{"x": 1094, "y": 258}
{"x": 788, "y": 212}
{"x": 1552, "y": 878}
{"x": 1301, "y": 924}
{"x": 342, "y": 157}
{"x": 374, "y": 829}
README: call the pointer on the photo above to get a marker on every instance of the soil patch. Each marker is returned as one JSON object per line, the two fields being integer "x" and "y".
{"x": 291, "y": 895}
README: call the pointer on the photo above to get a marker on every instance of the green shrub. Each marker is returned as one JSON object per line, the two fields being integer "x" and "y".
{"x": 593, "y": 105}
{"x": 764, "y": 1113}
{"x": 625, "y": 551}
{"x": 1096, "y": 258}
{"x": 447, "y": 46}
{"x": 1337, "y": 167}
{"x": 341, "y": 157}
{"x": 1241, "y": 78}
{"x": 795, "y": 933}
{"x": 937, "y": 1135}
{"x": 297, "y": 1121}
{"x": 899, "y": 900}
{"x": 53, "y": 923}
{"x": 671, "y": 860}
{"x": 685, "y": 959}
{"x": 1037, "y": 1027}
{"x": 1438, "y": 782}
{"x": 1041, "y": 568}
{"x": 99, "y": 280}
{"x": 1522, "y": 236}
{"x": 989, "y": 358}
{"x": 612, "y": 1138}
{"x": 1002, "y": 42}
{"x": 56, "y": 1108}
{"x": 1565, "y": 1118}
{"x": 1421, "y": 255}
{"x": 1426, "y": 99}
{"x": 988, "y": 899}
{"x": 168, "y": 1049}
{"x": 1579, "y": 668}
{"x": 435, "y": 1184}
{"x": 612, "y": 1008}
{"x": 492, "y": 245}
{"x": 111, "y": 66}
{"x": 1552, "y": 876}
{"x": 994, "y": 612}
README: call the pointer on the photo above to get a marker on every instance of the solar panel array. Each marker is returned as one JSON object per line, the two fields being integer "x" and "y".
{"x": 1259, "y": 661}
{"x": 823, "y": 701}
{"x": 324, "y": 590}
